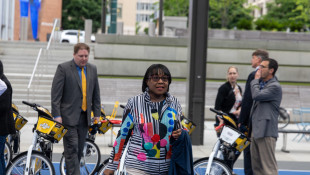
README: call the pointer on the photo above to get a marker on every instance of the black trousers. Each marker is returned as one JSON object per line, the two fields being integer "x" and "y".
{"x": 247, "y": 161}
{"x": 74, "y": 141}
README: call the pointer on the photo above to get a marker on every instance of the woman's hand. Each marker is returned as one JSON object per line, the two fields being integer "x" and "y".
{"x": 108, "y": 172}
{"x": 176, "y": 134}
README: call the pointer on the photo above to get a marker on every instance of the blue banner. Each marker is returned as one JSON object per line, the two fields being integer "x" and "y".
{"x": 34, "y": 16}
{"x": 24, "y": 4}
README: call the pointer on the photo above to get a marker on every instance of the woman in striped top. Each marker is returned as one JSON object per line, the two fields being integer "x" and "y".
{"x": 149, "y": 120}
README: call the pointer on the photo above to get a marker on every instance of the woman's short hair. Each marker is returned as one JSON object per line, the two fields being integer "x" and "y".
{"x": 153, "y": 70}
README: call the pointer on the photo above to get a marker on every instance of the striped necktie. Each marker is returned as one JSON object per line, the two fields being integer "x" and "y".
{"x": 84, "y": 103}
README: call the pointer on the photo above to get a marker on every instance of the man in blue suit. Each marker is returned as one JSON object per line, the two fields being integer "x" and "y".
{"x": 257, "y": 57}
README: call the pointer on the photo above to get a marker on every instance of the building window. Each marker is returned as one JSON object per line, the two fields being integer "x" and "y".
{"x": 142, "y": 18}
{"x": 144, "y": 6}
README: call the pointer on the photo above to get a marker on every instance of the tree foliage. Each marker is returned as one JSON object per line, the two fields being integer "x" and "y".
{"x": 229, "y": 14}
{"x": 176, "y": 7}
{"x": 283, "y": 14}
{"x": 222, "y": 13}
{"x": 74, "y": 13}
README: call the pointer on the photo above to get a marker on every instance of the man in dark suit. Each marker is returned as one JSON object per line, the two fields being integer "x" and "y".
{"x": 257, "y": 57}
{"x": 75, "y": 93}
{"x": 267, "y": 96}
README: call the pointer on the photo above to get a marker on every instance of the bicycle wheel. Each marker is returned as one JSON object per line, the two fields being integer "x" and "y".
{"x": 39, "y": 164}
{"x": 8, "y": 154}
{"x": 89, "y": 162}
{"x": 283, "y": 118}
{"x": 102, "y": 167}
{"x": 217, "y": 168}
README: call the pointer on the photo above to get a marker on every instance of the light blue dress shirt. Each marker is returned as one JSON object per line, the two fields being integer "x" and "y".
{"x": 3, "y": 87}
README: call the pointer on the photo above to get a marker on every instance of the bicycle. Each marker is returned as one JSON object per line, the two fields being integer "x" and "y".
{"x": 37, "y": 160}
{"x": 12, "y": 145}
{"x": 228, "y": 147}
{"x": 91, "y": 153}
{"x": 283, "y": 118}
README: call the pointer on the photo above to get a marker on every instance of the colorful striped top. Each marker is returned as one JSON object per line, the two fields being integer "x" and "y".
{"x": 149, "y": 126}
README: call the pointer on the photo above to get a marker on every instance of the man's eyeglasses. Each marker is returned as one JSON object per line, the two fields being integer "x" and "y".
{"x": 156, "y": 78}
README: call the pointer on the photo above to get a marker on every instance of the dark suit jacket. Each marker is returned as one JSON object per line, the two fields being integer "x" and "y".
{"x": 247, "y": 101}
{"x": 7, "y": 124}
{"x": 67, "y": 93}
{"x": 265, "y": 110}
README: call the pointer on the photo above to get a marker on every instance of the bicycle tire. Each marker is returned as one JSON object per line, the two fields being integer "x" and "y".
{"x": 91, "y": 159}
{"x": 283, "y": 118}
{"x": 218, "y": 167}
{"x": 102, "y": 167}
{"x": 8, "y": 154}
{"x": 42, "y": 166}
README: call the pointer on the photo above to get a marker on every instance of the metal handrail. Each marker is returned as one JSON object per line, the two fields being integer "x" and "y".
{"x": 52, "y": 34}
{"x": 39, "y": 55}
{"x": 35, "y": 68}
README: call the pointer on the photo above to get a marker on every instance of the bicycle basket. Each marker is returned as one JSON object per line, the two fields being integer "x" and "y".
{"x": 50, "y": 129}
{"x": 105, "y": 126}
{"x": 242, "y": 142}
{"x": 188, "y": 124}
{"x": 234, "y": 138}
{"x": 20, "y": 121}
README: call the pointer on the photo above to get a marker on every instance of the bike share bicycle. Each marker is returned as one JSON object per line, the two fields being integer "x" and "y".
{"x": 12, "y": 145}
{"x": 228, "y": 147}
{"x": 37, "y": 160}
{"x": 91, "y": 153}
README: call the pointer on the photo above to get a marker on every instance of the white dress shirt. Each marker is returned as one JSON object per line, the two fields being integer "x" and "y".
{"x": 3, "y": 87}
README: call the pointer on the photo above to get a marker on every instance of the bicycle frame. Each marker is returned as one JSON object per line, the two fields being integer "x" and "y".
{"x": 121, "y": 169}
{"x": 217, "y": 153}
{"x": 34, "y": 146}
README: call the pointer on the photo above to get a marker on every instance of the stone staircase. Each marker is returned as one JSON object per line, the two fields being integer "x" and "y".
{"x": 19, "y": 60}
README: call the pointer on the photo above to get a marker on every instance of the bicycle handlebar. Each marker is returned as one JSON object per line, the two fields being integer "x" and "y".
{"x": 216, "y": 111}
{"x": 122, "y": 106}
{"x": 30, "y": 104}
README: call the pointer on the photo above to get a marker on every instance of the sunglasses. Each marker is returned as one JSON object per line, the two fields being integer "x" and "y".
{"x": 156, "y": 78}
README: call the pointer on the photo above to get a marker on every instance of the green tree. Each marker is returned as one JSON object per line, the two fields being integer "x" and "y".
{"x": 74, "y": 13}
{"x": 229, "y": 14}
{"x": 176, "y": 7}
{"x": 283, "y": 14}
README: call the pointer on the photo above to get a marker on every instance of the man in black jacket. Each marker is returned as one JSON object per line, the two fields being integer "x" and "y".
{"x": 257, "y": 57}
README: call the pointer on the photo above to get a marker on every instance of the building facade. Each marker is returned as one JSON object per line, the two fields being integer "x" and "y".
{"x": 261, "y": 7}
{"x": 136, "y": 14}
{"x": 10, "y": 19}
